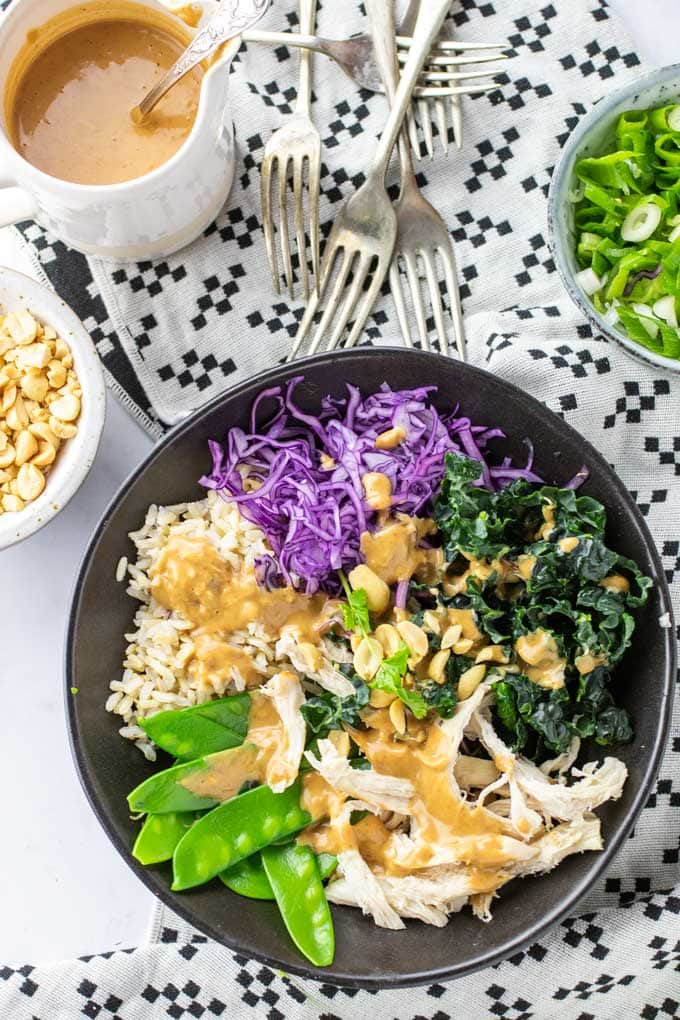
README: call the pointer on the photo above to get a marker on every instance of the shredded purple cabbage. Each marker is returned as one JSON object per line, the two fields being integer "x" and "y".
{"x": 304, "y": 472}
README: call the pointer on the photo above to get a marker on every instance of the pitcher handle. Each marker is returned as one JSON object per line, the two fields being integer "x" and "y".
{"x": 16, "y": 204}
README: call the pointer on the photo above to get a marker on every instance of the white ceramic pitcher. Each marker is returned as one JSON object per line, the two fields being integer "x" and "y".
{"x": 149, "y": 216}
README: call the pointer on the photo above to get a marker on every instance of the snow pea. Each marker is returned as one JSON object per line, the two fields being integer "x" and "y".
{"x": 327, "y": 865}
{"x": 234, "y": 830}
{"x": 248, "y": 877}
{"x": 203, "y": 729}
{"x": 293, "y": 873}
{"x": 164, "y": 791}
{"x": 160, "y": 834}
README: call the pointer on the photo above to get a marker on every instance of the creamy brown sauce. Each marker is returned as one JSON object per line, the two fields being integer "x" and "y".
{"x": 192, "y": 579}
{"x": 69, "y": 102}
{"x": 442, "y": 817}
{"x": 540, "y": 659}
{"x": 228, "y": 772}
{"x": 615, "y": 582}
{"x": 393, "y": 551}
{"x": 468, "y": 623}
{"x": 214, "y": 661}
{"x": 259, "y": 759}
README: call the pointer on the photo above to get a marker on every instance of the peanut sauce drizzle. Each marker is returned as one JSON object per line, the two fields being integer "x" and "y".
{"x": 192, "y": 578}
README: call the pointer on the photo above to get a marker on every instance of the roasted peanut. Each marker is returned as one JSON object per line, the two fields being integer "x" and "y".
{"x": 380, "y": 699}
{"x": 451, "y": 635}
{"x": 377, "y": 489}
{"x": 415, "y": 639}
{"x": 398, "y": 716}
{"x": 36, "y": 355}
{"x": 66, "y": 408}
{"x": 17, "y": 415}
{"x": 12, "y": 504}
{"x": 389, "y": 638}
{"x": 30, "y": 482}
{"x": 26, "y": 447}
{"x": 45, "y": 455}
{"x": 432, "y": 622}
{"x": 22, "y": 327}
{"x": 56, "y": 374}
{"x": 377, "y": 592}
{"x": 367, "y": 658}
{"x": 437, "y": 668}
{"x": 34, "y": 386}
{"x": 492, "y": 653}
{"x": 61, "y": 429}
{"x": 391, "y": 438}
{"x": 470, "y": 680}
{"x": 7, "y": 455}
{"x": 40, "y": 399}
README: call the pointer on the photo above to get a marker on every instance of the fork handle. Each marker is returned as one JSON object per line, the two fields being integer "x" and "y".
{"x": 307, "y": 18}
{"x": 383, "y": 31}
{"x": 429, "y": 22}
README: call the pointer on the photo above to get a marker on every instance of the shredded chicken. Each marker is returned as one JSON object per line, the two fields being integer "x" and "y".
{"x": 357, "y": 886}
{"x": 383, "y": 792}
{"x": 556, "y": 800}
{"x": 325, "y": 675}
{"x": 288, "y": 697}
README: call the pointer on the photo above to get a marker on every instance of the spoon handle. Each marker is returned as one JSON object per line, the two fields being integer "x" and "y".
{"x": 231, "y": 19}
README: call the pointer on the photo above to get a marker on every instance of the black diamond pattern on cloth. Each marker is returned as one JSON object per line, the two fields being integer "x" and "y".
{"x": 175, "y": 332}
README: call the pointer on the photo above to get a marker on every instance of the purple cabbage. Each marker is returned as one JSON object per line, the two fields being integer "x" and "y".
{"x": 304, "y": 472}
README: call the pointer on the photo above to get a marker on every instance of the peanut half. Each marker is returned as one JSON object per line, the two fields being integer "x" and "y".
{"x": 40, "y": 403}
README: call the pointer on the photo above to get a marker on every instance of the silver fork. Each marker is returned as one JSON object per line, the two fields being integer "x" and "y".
{"x": 439, "y": 105}
{"x": 363, "y": 236}
{"x": 298, "y": 143}
{"x": 357, "y": 59}
{"x": 421, "y": 232}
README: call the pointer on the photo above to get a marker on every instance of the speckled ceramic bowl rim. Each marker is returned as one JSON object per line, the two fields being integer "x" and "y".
{"x": 77, "y": 455}
{"x": 533, "y": 930}
{"x": 561, "y": 184}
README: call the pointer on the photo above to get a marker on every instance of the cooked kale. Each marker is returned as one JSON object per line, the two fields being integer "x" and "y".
{"x": 328, "y": 711}
{"x": 443, "y": 697}
{"x": 562, "y": 593}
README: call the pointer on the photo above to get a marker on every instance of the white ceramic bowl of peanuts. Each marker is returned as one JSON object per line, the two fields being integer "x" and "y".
{"x": 52, "y": 405}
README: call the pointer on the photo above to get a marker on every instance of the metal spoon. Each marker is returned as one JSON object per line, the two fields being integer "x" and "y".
{"x": 232, "y": 18}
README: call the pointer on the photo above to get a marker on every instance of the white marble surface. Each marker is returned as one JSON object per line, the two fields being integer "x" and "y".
{"x": 63, "y": 888}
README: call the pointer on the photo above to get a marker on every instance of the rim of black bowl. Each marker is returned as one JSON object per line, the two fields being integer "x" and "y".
{"x": 483, "y": 959}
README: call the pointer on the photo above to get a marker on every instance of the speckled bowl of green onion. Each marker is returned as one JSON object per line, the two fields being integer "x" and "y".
{"x": 614, "y": 216}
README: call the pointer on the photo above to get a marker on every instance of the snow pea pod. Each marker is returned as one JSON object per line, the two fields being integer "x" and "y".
{"x": 237, "y": 829}
{"x": 248, "y": 877}
{"x": 294, "y": 875}
{"x": 196, "y": 785}
{"x": 203, "y": 729}
{"x": 160, "y": 834}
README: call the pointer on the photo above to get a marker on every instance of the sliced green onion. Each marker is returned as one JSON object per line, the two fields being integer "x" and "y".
{"x": 611, "y": 314}
{"x": 664, "y": 309}
{"x": 641, "y": 222}
{"x": 647, "y": 319}
{"x": 588, "y": 281}
{"x": 626, "y": 220}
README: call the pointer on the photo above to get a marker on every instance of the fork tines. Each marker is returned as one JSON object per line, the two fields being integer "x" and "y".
{"x": 352, "y": 277}
{"x": 286, "y": 173}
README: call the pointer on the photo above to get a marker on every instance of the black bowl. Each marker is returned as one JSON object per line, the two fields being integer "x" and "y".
{"x": 109, "y": 767}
